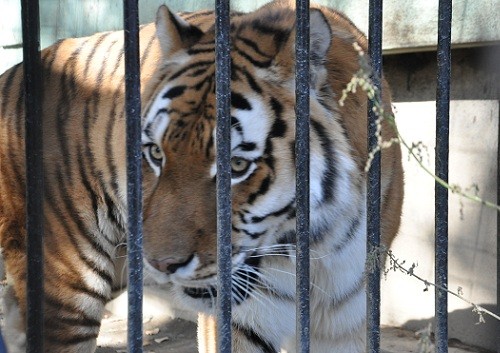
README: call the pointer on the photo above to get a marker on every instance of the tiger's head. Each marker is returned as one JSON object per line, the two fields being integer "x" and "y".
{"x": 179, "y": 164}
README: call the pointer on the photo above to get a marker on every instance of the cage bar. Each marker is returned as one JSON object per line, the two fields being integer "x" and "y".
{"x": 373, "y": 187}
{"x": 442, "y": 153}
{"x": 134, "y": 177}
{"x": 302, "y": 174}
{"x": 34, "y": 173}
{"x": 223, "y": 139}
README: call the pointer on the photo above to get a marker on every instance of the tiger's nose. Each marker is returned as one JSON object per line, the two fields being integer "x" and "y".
{"x": 170, "y": 264}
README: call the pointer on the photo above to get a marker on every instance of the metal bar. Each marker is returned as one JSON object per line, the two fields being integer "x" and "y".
{"x": 34, "y": 173}
{"x": 441, "y": 193}
{"x": 223, "y": 139}
{"x": 134, "y": 177}
{"x": 498, "y": 238}
{"x": 302, "y": 174}
{"x": 2, "y": 345}
{"x": 373, "y": 187}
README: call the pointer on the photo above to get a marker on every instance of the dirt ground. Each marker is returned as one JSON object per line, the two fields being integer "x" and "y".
{"x": 165, "y": 333}
{"x": 167, "y": 329}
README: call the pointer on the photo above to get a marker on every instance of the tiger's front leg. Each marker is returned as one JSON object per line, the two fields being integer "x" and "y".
{"x": 74, "y": 300}
{"x": 252, "y": 331}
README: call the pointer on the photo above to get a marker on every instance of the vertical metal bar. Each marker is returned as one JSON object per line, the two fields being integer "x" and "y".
{"x": 302, "y": 173}
{"x": 2, "y": 345}
{"x": 134, "y": 177}
{"x": 373, "y": 188}
{"x": 223, "y": 139}
{"x": 34, "y": 173}
{"x": 441, "y": 193}
{"x": 498, "y": 238}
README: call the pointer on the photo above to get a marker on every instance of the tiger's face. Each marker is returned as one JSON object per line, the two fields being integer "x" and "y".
{"x": 179, "y": 168}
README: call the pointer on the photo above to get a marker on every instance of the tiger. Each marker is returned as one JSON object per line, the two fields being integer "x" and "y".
{"x": 180, "y": 184}
{"x": 85, "y": 206}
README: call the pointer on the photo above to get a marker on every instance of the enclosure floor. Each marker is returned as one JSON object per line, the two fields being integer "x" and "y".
{"x": 179, "y": 336}
{"x": 165, "y": 332}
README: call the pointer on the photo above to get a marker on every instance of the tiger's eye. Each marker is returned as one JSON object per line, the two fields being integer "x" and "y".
{"x": 155, "y": 152}
{"x": 239, "y": 166}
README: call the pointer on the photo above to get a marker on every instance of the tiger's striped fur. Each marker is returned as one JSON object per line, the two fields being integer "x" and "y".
{"x": 179, "y": 179}
{"x": 85, "y": 184}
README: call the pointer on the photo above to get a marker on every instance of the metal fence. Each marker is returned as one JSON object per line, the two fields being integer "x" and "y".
{"x": 33, "y": 94}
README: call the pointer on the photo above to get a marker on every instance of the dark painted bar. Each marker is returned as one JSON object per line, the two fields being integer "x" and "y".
{"x": 373, "y": 187}
{"x": 302, "y": 174}
{"x": 34, "y": 173}
{"x": 223, "y": 137}
{"x": 442, "y": 153}
{"x": 134, "y": 177}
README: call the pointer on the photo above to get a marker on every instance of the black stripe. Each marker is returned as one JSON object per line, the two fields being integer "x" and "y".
{"x": 286, "y": 209}
{"x": 109, "y": 155}
{"x": 83, "y": 289}
{"x": 53, "y": 49}
{"x": 68, "y": 89}
{"x": 72, "y": 210}
{"x": 254, "y": 46}
{"x": 253, "y": 61}
{"x": 106, "y": 276}
{"x": 359, "y": 285}
{"x": 73, "y": 322}
{"x": 58, "y": 303}
{"x": 69, "y": 339}
{"x": 90, "y": 57}
{"x": 198, "y": 64}
{"x": 255, "y": 338}
{"x": 350, "y": 235}
{"x": 84, "y": 177}
{"x": 174, "y": 92}
{"x": 279, "y": 126}
{"x": 240, "y": 102}
{"x": 147, "y": 51}
{"x": 247, "y": 146}
{"x": 196, "y": 50}
{"x": 235, "y": 124}
{"x": 329, "y": 154}
{"x": 113, "y": 215}
{"x": 264, "y": 187}
{"x": 7, "y": 88}
{"x": 249, "y": 77}
{"x": 250, "y": 234}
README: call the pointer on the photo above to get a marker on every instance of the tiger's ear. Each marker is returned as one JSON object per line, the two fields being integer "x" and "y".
{"x": 320, "y": 39}
{"x": 173, "y": 32}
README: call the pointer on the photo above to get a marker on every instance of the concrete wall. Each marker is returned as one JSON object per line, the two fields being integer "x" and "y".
{"x": 472, "y": 226}
{"x": 475, "y": 94}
